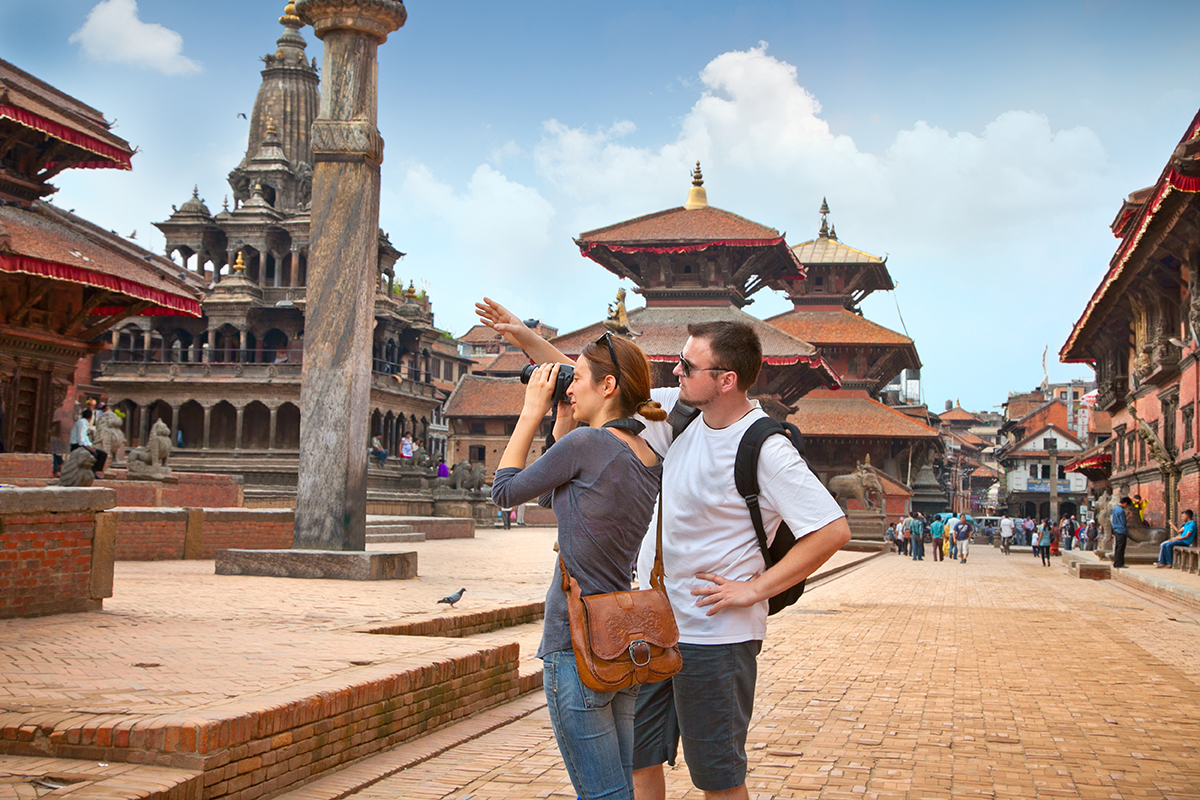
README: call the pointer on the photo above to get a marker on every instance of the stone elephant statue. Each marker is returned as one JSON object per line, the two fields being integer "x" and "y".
{"x": 857, "y": 485}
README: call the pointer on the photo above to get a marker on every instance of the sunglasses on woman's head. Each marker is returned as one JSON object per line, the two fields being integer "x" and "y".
{"x": 612, "y": 353}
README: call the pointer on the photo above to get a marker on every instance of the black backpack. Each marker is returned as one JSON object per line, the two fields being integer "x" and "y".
{"x": 745, "y": 478}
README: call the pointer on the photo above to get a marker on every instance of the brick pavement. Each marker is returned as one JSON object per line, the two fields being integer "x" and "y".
{"x": 999, "y": 678}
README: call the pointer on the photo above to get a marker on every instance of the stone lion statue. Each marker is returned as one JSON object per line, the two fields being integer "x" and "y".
{"x": 857, "y": 485}
{"x": 77, "y": 468}
{"x": 420, "y": 457}
{"x": 458, "y": 476}
{"x": 149, "y": 462}
{"x": 474, "y": 481}
{"x": 110, "y": 434}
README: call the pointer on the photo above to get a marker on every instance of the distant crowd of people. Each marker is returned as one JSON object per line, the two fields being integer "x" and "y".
{"x": 950, "y": 536}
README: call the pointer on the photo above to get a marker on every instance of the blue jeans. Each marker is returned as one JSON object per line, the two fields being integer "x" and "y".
{"x": 918, "y": 548}
{"x": 1166, "y": 553}
{"x": 594, "y": 730}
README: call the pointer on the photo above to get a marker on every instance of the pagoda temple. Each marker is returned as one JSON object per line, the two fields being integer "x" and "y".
{"x": 228, "y": 383}
{"x": 699, "y": 263}
{"x": 850, "y": 426}
{"x": 64, "y": 281}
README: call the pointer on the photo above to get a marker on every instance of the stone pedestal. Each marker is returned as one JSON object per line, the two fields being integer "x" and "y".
{"x": 868, "y": 523}
{"x": 331, "y": 497}
{"x": 333, "y": 564}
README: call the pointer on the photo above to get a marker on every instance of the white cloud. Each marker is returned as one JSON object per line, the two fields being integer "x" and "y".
{"x": 113, "y": 32}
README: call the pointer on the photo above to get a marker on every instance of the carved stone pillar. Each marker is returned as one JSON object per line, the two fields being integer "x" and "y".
{"x": 174, "y": 425}
{"x": 241, "y": 355}
{"x": 143, "y": 425}
{"x": 271, "y": 438}
{"x": 207, "y": 423}
{"x": 237, "y": 440}
{"x": 331, "y": 498}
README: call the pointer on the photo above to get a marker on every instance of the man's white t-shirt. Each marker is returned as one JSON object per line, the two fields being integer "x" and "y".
{"x": 706, "y": 524}
{"x": 1006, "y": 528}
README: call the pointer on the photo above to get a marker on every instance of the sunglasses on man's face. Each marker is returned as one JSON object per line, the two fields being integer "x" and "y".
{"x": 688, "y": 368}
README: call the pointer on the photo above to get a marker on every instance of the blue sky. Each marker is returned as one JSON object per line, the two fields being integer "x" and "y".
{"x": 983, "y": 147}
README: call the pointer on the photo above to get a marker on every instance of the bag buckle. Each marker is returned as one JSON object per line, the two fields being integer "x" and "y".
{"x": 642, "y": 646}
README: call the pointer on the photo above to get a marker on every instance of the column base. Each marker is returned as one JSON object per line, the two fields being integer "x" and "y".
{"x": 339, "y": 565}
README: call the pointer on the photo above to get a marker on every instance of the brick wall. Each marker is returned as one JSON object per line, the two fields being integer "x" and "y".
{"x": 149, "y": 534}
{"x": 464, "y": 623}
{"x": 203, "y": 490}
{"x": 155, "y": 534}
{"x": 25, "y": 465}
{"x": 245, "y": 753}
{"x": 246, "y": 529}
{"x": 52, "y": 558}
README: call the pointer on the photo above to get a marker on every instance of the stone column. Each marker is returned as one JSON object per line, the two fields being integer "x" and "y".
{"x": 237, "y": 439}
{"x": 143, "y": 425}
{"x": 343, "y": 257}
{"x": 241, "y": 356}
{"x": 174, "y": 425}
{"x": 207, "y": 424}
{"x": 1053, "y": 453}
{"x": 271, "y": 438}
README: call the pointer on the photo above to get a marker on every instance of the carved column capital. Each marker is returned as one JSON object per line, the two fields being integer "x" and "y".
{"x": 376, "y": 18}
{"x": 350, "y": 140}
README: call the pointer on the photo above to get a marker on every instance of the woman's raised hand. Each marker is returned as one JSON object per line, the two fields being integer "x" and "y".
{"x": 503, "y": 321}
{"x": 539, "y": 394}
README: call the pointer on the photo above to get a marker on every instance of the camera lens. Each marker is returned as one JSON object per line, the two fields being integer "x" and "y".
{"x": 527, "y": 372}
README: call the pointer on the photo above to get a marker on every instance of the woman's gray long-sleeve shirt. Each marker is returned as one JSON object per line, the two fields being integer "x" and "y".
{"x": 603, "y": 497}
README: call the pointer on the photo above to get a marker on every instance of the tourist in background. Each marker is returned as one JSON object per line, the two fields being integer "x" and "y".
{"x": 962, "y": 535}
{"x": 952, "y": 538}
{"x": 603, "y": 482}
{"x": 917, "y": 532}
{"x": 378, "y": 451}
{"x": 935, "y": 533}
{"x": 1045, "y": 536}
{"x": 1186, "y": 538}
{"x": 1006, "y": 533}
{"x": 1120, "y": 526}
{"x": 1028, "y": 527}
{"x": 1093, "y": 534}
{"x": 905, "y": 534}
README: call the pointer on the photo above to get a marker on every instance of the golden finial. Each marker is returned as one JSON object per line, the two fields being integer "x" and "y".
{"x": 697, "y": 196}
{"x": 289, "y": 15}
{"x": 196, "y": 191}
{"x": 258, "y": 189}
{"x": 239, "y": 266}
{"x": 271, "y": 132}
{"x": 411, "y": 292}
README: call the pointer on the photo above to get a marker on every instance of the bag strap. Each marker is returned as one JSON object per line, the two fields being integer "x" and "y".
{"x": 745, "y": 470}
{"x": 656, "y": 574}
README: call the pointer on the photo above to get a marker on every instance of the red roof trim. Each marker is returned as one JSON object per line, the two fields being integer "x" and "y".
{"x": 65, "y": 272}
{"x": 1172, "y": 180}
{"x": 1100, "y": 460}
{"x": 683, "y": 248}
{"x": 117, "y": 158}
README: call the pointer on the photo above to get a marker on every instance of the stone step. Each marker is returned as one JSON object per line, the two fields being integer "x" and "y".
{"x": 374, "y": 537}
{"x": 388, "y": 527}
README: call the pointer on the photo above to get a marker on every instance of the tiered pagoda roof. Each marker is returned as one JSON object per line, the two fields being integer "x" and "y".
{"x": 825, "y": 295}
{"x": 692, "y": 255}
{"x": 852, "y": 414}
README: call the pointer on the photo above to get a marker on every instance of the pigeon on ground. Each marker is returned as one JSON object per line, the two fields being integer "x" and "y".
{"x": 454, "y": 598}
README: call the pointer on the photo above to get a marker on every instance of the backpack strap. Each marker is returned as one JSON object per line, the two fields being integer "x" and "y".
{"x": 680, "y": 417}
{"x": 745, "y": 470}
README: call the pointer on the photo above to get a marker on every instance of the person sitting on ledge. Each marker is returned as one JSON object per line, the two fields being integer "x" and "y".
{"x": 1186, "y": 538}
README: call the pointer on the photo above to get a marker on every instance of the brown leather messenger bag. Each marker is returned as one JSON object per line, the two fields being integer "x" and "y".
{"x": 623, "y": 638}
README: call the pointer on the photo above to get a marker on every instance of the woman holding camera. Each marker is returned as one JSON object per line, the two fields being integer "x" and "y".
{"x": 602, "y": 482}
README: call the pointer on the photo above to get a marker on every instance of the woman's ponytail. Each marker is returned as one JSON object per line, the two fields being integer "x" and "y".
{"x": 651, "y": 410}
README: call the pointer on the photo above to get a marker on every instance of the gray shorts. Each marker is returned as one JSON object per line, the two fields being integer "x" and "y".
{"x": 707, "y": 705}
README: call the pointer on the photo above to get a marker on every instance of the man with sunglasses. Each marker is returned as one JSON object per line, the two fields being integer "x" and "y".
{"x": 715, "y": 569}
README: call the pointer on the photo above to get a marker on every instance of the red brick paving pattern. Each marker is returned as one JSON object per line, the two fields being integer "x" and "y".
{"x": 998, "y": 679}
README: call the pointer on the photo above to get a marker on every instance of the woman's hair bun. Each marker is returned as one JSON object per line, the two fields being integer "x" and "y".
{"x": 651, "y": 410}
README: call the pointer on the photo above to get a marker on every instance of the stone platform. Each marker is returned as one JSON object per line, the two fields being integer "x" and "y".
{"x": 328, "y": 564}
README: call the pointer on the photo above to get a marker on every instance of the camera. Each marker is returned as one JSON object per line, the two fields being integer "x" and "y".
{"x": 566, "y": 374}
